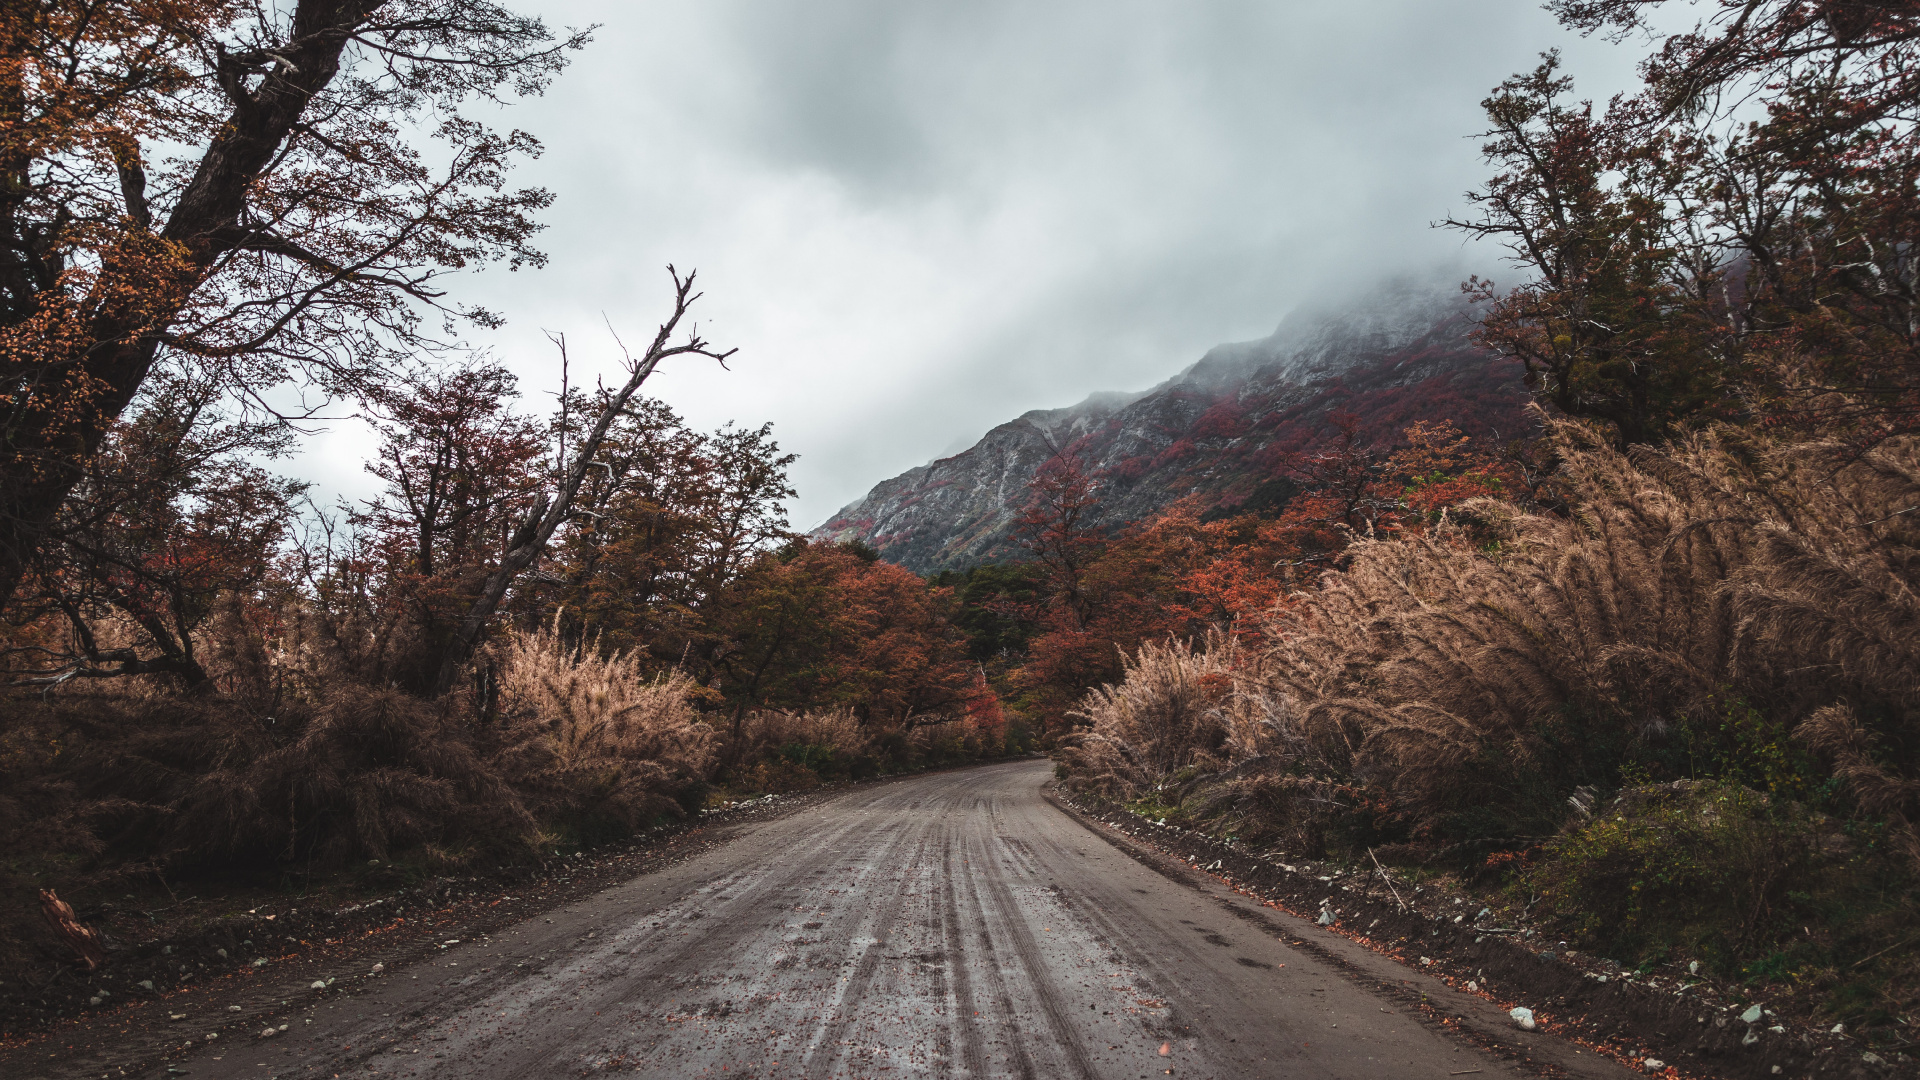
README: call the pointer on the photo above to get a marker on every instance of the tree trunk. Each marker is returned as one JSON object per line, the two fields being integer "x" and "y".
{"x": 76, "y": 398}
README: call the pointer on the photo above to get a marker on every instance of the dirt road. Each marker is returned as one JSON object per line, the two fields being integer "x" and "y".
{"x": 948, "y": 925}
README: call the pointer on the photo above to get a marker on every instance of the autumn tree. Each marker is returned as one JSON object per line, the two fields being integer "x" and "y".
{"x": 1621, "y": 316}
{"x": 622, "y": 567}
{"x": 667, "y": 519}
{"x": 830, "y": 625}
{"x": 1056, "y": 524}
{"x": 460, "y": 468}
{"x": 1732, "y": 242}
{"x": 176, "y": 519}
{"x": 998, "y": 606}
{"x": 236, "y": 191}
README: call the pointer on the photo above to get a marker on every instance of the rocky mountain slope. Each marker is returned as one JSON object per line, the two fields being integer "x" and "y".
{"x": 1222, "y": 429}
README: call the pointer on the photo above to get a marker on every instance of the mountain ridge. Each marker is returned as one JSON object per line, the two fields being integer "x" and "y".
{"x": 1218, "y": 428}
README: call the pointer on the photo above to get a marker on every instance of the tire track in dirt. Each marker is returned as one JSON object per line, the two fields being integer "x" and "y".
{"x": 860, "y": 938}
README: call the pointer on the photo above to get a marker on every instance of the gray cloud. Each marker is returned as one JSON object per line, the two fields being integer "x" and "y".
{"x": 919, "y": 219}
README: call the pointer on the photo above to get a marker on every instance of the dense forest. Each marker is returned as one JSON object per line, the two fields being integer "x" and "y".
{"x": 1649, "y": 671}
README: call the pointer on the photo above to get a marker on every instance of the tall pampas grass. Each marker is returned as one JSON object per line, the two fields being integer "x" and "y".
{"x": 1492, "y": 665}
{"x": 591, "y": 735}
{"x": 1162, "y": 719}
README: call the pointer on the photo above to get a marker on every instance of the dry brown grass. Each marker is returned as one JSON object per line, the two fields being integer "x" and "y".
{"x": 584, "y": 735}
{"x": 1433, "y": 670}
{"x": 1162, "y": 720}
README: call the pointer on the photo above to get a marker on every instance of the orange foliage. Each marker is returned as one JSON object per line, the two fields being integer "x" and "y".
{"x": 1180, "y": 576}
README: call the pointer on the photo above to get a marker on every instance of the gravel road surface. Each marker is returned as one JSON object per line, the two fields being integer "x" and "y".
{"x": 949, "y": 925}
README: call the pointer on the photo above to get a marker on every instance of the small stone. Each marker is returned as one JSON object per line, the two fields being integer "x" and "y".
{"x": 233, "y": 1008}
{"x": 1752, "y": 1014}
{"x": 212, "y": 1035}
{"x": 221, "y": 953}
{"x": 260, "y": 961}
{"x": 268, "y": 1033}
{"x": 1166, "y": 1049}
{"x": 95, "y": 1000}
{"x": 1750, "y": 1037}
{"x": 1523, "y": 1018}
{"x": 1777, "y": 1029}
{"x": 1326, "y": 918}
{"x": 146, "y": 984}
{"x": 177, "y": 1016}
{"x": 1839, "y": 1029}
{"x": 1655, "y": 1064}
{"x": 284, "y": 1027}
{"x": 317, "y": 985}
{"x": 1472, "y": 987}
{"x": 1776, "y": 1070}
{"x": 1872, "y": 1058}
{"x": 1426, "y": 961}
{"x": 1693, "y": 967}
{"x": 378, "y": 968}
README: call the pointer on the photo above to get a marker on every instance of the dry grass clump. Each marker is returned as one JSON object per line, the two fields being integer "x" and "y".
{"x": 340, "y": 771}
{"x": 1721, "y": 568}
{"x": 839, "y": 730}
{"x": 585, "y": 736}
{"x": 1463, "y": 683}
{"x": 781, "y": 751}
{"x": 1163, "y": 720}
{"x": 1731, "y": 614}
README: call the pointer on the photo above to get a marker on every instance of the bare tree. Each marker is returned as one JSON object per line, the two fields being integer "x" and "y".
{"x": 552, "y": 510}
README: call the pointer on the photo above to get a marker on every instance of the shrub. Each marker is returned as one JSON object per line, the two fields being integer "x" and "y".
{"x": 1163, "y": 717}
{"x": 1710, "y": 869}
{"x": 595, "y": 743}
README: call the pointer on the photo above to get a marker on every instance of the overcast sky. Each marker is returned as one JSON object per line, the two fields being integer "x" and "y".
{"x": 918, "y": 220}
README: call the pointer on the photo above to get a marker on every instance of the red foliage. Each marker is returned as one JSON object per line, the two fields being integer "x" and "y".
{"x": 1179, "y": 451}
{"x": 1226, "y": 420}
{"x": 821, "y": 626}
{"x": 1179, "y": 576}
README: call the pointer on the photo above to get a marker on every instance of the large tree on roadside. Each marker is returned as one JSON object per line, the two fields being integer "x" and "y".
{"x": 1736, "y": 240}
{"x": 262, "y": 192}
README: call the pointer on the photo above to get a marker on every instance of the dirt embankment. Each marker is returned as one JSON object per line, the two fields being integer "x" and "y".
{"x": 1692, "y": 1026}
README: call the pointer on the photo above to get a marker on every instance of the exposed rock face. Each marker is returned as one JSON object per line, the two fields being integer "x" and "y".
{"x": 1218, "y": 430}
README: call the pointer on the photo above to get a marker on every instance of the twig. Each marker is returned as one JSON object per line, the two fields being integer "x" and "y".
{"x": 1389, "y": 880}
{"x": 1882, "y": 952}
{"x": 58, "y": 970}
{"x": 1889, "y": 517}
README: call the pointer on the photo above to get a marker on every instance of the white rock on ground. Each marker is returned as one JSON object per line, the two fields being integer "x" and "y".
{"x": 1523, "y": 1018}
